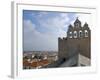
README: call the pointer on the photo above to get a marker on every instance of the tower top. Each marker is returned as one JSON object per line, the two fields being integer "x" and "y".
{"x": 85, "y": 26}
{"x": 70, "y": 27}
{"x": 77, "y": 23}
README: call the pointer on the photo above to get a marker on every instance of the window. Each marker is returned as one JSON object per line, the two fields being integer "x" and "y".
{"x": 86, "y": 33}
{"x": 80, "y": 34}
{"x": 70, "y": 34}
{"x": 77, "y": 24}
{"x": 75, "y": 34}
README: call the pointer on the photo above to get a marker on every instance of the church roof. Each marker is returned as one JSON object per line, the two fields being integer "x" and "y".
{"x": 77, "y": 21}
{"x": 85, "y": 26}
{"x": 70, "y": 27}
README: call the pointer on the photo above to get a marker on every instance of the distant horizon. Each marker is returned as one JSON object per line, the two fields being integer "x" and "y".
{"x": 41, "y": 51}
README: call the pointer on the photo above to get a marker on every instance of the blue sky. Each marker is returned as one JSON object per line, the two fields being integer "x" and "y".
{"x": 41, "y": 29}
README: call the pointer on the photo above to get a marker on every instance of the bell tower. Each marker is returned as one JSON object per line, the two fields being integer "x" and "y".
{"x": 77, "y": 23}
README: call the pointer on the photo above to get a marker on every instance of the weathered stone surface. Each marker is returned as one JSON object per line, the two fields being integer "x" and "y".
{"x": 78, "y": 40}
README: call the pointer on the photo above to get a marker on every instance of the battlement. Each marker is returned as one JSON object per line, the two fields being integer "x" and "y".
{"x": 78, "y": 40}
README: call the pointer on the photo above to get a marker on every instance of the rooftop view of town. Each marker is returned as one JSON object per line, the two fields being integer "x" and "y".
{"x": 38, "y": 59}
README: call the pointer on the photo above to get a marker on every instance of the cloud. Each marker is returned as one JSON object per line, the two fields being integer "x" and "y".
{"x": 34, "y": 40}
{"x": 28, "y": 26}
{"x": 64, "y": 17}
{"x": 85, "y": 18}
{"x": 41, "y": 14}
{"x": 55, "y": 24}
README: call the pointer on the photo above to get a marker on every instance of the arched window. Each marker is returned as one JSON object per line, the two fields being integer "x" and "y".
{"x": 77, "y": 24}
{"x": 75, "y": 34}
{"x": 70, "y": 34}
{"x": 86, "y": 33}
{"x": 80, "y": 33}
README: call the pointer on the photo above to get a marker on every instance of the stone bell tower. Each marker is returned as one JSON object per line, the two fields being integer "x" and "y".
{"x": 78, "y": 40}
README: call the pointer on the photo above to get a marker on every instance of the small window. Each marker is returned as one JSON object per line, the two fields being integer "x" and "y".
{"x": 86, "y": 33}
{"x": 70, "y": 34}
{"x": 80, "y": 34}
{"x": 77, "y": 24}
{"x": 75, "y": 34}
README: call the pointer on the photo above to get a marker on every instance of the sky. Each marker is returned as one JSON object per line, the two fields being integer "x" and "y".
{"x": 41, "y": 29}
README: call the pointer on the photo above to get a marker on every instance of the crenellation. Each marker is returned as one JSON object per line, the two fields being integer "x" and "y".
{"x": 78, "y": 40}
